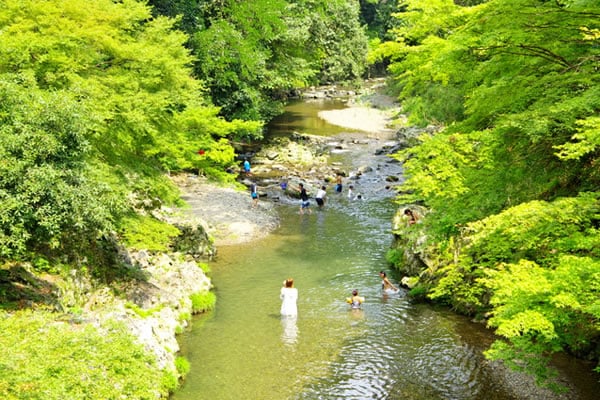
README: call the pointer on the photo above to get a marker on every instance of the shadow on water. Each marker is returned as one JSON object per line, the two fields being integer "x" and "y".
{"x": 390, "y": 349}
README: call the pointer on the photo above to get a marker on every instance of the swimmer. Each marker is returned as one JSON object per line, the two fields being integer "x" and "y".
{"x": 355, "y": 301}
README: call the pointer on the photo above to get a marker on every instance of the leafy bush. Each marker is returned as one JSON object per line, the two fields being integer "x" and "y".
{"x": 47, "y": 200}
{"x": 535, "y": 268}
{"x": 394, "y": 256}
{"x": 537, "y": 231}
{"x": 511, "y": 230}
{"x": 143, "y": 312}
{"x": 50, "y": 359}
{"x": 204, "y": 267}
{"x": 96, "y": 102}
{"x": 145, "y": 232}
{"x": 418, "y": 292}
{"x": 203, "y": 301}
{"x": 540, "y": 311}
{"x": 182, "y": 365}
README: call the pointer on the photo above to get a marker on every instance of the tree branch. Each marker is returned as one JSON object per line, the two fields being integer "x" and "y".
{"x": 529, "y": 50}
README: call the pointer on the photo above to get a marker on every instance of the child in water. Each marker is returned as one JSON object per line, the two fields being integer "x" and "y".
{"x": 386, "y": 285}
{"x": 355, "y": 301}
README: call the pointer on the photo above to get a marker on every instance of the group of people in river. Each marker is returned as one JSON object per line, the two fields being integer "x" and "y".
{"x": 289, "y": 296}
{"x": 288, "y": 293}
{"x": 321, "y": 195}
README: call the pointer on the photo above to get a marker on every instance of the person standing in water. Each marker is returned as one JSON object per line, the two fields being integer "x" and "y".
{"x": 386, "y": 285}
{"x": 289, "y": 296}
{"x": 355, "y": 301}
{"x": 350, "y": 192}
{"x": 338, "y": 183}
{"x": 304, "y": 203}
{"x": 320, "y": 196}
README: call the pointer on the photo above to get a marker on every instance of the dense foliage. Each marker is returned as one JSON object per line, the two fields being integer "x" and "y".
{"x": 512, "y": 178}
{"x": 45, "y": 197}
{"x": 61, "y": 360}
{"x": 250, "y": 54}
{"x": 97, "y": 102}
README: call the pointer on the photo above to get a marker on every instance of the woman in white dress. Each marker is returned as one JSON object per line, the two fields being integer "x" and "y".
{"x": 289, "y": 295}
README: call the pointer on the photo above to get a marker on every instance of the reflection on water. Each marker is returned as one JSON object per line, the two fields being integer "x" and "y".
{"x": 390, "y": 349}
{"x": 289, "y": 334}
{"x": 302, "y": 117}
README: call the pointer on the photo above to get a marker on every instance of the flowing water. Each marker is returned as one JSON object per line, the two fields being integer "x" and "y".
{"x": 391, "y": 349}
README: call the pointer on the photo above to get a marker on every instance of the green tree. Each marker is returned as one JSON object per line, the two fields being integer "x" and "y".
{"x": 100, "y": 102}
{"x": 378, "y": 16}
{"x": 540, "y": 311}
{"x": 337, "y": 42}
{"x": 519, "y": 91}
{"x": 514, "y": 88}
{"x": 237, "y": 57}
{"x": 47, "y": 201}
{"x": 251, "y": 54}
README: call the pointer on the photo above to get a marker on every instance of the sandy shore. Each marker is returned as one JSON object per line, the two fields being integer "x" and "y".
{"x": 366, "y": 119}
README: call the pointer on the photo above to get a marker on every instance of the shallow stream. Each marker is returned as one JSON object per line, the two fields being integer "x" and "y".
{"x": 391, "y": 349}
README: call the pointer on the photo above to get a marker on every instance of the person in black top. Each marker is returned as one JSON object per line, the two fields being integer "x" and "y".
{"x": 304, "y": 203}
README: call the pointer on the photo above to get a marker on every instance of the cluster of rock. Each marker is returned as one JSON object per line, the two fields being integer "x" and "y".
{"x": 326, "y": 92}
{"x": 280, "y": 166}
{"x": 154, "y": 296}
{"x": 151, "y": 297}
{"x": 415, "y": 258}
{"x": 155, "y": 305}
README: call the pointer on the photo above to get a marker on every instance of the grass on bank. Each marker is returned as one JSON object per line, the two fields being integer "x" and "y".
{"x": 47, "y": 359}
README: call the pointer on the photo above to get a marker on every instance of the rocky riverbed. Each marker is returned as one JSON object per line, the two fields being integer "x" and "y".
{"x": 228, "y": 213}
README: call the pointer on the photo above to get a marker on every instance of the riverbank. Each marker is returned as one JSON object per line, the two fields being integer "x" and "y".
{"x": 226, "y": 211}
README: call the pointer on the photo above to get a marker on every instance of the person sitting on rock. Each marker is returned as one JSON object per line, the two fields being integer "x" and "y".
{"x": 412, "y": 218}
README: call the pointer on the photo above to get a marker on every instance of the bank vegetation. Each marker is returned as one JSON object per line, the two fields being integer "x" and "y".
{"x": 99, "y": 102}
{"x": 510, "y": 181}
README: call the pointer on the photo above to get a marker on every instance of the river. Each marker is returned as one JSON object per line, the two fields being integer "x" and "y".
{"x": 391, "y": 349}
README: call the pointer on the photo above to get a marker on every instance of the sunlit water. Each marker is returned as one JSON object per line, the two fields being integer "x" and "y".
{"x": 391, "y": 349}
